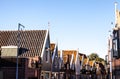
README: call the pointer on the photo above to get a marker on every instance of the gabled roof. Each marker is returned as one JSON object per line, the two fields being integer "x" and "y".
{"x": 86, "y": 60}
{"x": 52, "y": 46}
{"x": 80, "y": 56}
{"x": 54, "y": 50}
{"x": 91, "y": 63}
{"x": 31, "y": 40}
{"x": 68, "y": 52}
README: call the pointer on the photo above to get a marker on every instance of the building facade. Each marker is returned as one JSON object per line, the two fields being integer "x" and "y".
{"x": 34, "y": 57}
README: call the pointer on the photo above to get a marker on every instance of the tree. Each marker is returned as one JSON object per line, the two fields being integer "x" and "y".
{"x": 95, "y": 56}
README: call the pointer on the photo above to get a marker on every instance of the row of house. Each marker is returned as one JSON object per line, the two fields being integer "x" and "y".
{"x": 29, "y": 54}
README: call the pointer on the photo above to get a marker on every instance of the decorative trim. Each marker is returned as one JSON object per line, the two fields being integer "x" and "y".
{"x": 43, "y": 49}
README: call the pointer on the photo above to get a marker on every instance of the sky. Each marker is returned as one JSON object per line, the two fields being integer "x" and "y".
{"x": 74, "y": 24}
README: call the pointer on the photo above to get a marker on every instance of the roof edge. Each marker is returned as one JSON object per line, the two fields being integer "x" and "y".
{"x": 44, "y": 43}
{"x": 54, "y": 52}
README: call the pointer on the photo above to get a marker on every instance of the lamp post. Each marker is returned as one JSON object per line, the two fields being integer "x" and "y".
{"x": 18, "y": 44}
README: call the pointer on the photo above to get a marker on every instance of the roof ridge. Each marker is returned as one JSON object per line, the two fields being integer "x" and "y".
{"x": 23, "y": 30}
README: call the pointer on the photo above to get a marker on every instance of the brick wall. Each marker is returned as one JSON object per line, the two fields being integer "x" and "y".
{"x": 116, "y": 66}
{"x": 29, "y": 72}
{"x": 10, "y": 73}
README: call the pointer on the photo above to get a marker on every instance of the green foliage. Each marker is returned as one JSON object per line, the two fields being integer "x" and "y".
{"x": 95, "y": 56}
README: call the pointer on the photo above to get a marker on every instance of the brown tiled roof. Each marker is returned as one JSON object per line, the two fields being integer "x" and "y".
{"x": 80, "y": 56}
{"x": 68, "y": 52}
{"x": 31, "y": 40}
{"x": 85, "y": 61}
{"x": 91, "y": 63}
{"x": 52, "y": 47}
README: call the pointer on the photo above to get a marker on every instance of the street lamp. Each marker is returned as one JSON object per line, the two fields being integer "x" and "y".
{"x": 18, "y": 44}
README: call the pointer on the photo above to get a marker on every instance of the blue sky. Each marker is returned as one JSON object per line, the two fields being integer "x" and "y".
{"x": 74, "y": 24}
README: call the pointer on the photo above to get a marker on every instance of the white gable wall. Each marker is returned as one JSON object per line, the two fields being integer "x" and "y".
{"x": 46, "y": 64}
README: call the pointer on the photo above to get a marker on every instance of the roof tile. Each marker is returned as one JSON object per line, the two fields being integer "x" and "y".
{"x": 32, "y": 40}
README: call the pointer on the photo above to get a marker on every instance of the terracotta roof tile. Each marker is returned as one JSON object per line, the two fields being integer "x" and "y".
{"x": 91, "y": 63}
{"x": 69, "y": 52}
{"x": 32, "y": 40}
{"x": 52, "y": 46}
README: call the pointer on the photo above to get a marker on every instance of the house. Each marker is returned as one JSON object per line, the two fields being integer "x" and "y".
{"x": 32, "y": 49}
{"x": 61, "y": 65}
{"x": 114, "y": 48}
{"x": 82, "y": 58}
{"x": 55, "y": 61}
{"x": 71, "y": 63}
{"x": 115, "y": 53}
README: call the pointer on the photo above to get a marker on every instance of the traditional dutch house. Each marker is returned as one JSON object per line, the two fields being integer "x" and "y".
{"x": 114, "y": 48}
{"x": 55, "y": 61}
{"x": 71, "y": 63}
{"x": 34, "y": 57}
{"x": 61, "y": 65}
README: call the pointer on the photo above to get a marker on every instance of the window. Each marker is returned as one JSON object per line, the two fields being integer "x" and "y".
{"x": 46, "y": 54}
{"x": 55, "y": 62}
{"x": 115, "y": 51}
{"x": 115, "y": 35}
